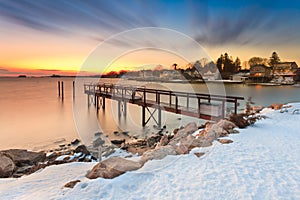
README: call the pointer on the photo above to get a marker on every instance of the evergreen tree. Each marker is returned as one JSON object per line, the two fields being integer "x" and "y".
{"x": 220, "y": 63}
{"x": 228, "y": 64}
{"x": 237, "y": 64}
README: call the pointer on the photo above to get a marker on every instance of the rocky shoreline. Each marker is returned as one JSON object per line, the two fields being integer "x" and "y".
{"x": 18, "y": 162}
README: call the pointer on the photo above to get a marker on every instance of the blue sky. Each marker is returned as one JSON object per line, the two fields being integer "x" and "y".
{"x": 243, "y": 28}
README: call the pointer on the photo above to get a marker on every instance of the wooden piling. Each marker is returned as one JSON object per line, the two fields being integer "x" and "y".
{"x": 62, "y": 90}
{"x": 73, "y": 89}
{"x": 58, "y": 88}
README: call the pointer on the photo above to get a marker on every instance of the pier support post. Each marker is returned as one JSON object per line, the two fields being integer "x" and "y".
{"x": 124, "y": 108}
{"x": 159, "y": 117}
{"x": 62, "y": 90}
{"x": 73, "y": 89}
{"x": 58, "y": 87}
{"x": 88, "y": 100}
{"x": 119, "y": 109}
{"x": 97, "y": 103}
{"x": 103, "y": 103}
{"x": 143, "y": 116}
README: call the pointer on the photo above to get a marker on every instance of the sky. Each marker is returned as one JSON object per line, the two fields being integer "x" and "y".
{"x": 56, "y": 37}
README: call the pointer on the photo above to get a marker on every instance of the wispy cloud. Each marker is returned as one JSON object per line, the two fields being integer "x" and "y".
{"x": 241, "y": 24}
{"x": 73, "y": 16}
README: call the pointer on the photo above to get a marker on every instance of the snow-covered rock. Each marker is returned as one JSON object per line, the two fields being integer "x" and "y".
{"x": 113, "y": 167}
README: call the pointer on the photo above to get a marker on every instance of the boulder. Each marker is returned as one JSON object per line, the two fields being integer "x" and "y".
{"x": 113, "y": 167}
{"x": 276, "y": 106}
{"x": 187, "y": 144}
{"x": 226, "y": 124}
{"x": 158, "y": 154}
{"x": 75, "y": 142}
{"x": 151, "y": 141}
{"x": 7, "y": 166}
{"x": 225, "y": 141}
{"x": 239, "y": 120}
{"x": 187, "y": 130}
{"x": 164, "y": 140}
{"x": 82, "y": 149}
{"x": 257, "y": 109}
{"x": 199, "y": 154}
{"x": 118, "y": 142}
{"x": 219, "y": 131}
{"x": 98, "y": 142}
{"x": 71, "y": 184}
{"x": 22, "y": 157}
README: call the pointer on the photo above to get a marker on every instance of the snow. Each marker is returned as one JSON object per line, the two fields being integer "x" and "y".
{"x": 263, "y": 162}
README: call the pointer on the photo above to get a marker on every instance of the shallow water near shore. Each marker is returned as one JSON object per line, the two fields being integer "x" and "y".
{"x": 34, "y": 117}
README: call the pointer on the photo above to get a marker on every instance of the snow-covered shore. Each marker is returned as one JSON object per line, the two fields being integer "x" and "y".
{"x": 263, "y": 162}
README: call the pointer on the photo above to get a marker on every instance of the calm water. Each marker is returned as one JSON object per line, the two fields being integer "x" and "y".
{"x": 32, "y": 115}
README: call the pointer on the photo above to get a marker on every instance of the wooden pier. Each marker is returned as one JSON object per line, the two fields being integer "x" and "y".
{"x": 205, "y": 106}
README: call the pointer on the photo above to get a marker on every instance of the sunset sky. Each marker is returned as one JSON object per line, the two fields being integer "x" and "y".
{"x": 56, "y": 37}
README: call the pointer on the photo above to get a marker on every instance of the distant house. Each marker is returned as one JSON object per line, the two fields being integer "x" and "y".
{"x": 209, "y": 75}
{"x": 260, "y": 73}
{"x": 285, "y": 72}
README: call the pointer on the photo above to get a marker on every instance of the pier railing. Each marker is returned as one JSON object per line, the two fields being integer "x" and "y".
{"x": 206, "y": 106}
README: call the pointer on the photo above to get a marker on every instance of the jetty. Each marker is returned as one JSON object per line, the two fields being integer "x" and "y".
{"x": 204, "y": 106}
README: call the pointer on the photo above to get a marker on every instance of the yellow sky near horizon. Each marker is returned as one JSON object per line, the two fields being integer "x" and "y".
{"x": 66, "y": 54}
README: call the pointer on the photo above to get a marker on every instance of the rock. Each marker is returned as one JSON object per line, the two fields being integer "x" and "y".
{"x": 175, "y": 131}
{"x": 158, "y": 154}
{"x": 226, "y": 124}
{"x": 276, "y": 106}
{"x": 225, "y": 141}
{"x": 116, "y": 133}
{"x": 183, "y": 133}
{"x": 75, "y": 142}
{"x": 113, "y": 167}
{"x": 233, "y": 131}
{"x": 125, "y": 133}
{"x": 219, "y": 131}
{"x": 98, "y": 142}
{"x": 98, "y": 134}
{"x": 7, "y": 166}
{"x": 62, "y": 145}
{"x": 164, "y": 140}
{"x": 22, "y": 157}
{"x": 257, "y": 109}
{"x": 118, "y": 142}
{"x": 82, "y": 149}
{"x": 20, "y": 171}
{"x": 108, "y": 150}
{"x": 239, "y": 120}
{"x": 137, "y": 147}
{"x": 188, "y": 129}
{"x": 199, "y": 154}
{"x": 71, "y": 184}
{"x": 190, "y": 142}
{"x": 151, "y": 141}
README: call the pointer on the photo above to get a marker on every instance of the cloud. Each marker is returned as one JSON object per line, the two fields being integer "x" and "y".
{"x": 250, "y": 23}
{"x": 73, "y": 16}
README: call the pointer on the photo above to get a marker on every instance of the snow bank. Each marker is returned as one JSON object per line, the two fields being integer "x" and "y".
{"x": 262, "y": 163}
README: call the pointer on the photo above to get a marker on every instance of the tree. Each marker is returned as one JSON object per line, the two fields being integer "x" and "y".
{"x": 257, "y": 61}
{"x": 237, "y": 64}
{"x": 228, "y": 64}
{"x": 220, "y": 63}
{"x": 175, "y": 66}
{"x": 274, "y": 59}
